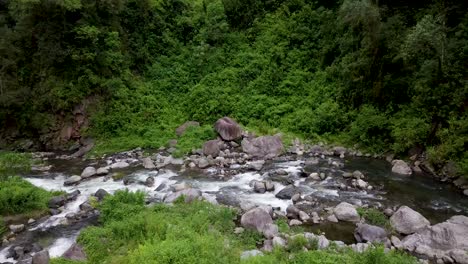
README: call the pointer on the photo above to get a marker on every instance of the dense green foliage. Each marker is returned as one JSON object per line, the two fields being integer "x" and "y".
{"x": 388, "y": 75}
{"x": 198, "y": 232}
{"x": 12, "y": 163}
{"x": 18, "y": 196}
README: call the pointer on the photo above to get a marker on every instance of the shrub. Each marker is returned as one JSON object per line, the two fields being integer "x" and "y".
{"x": 374, "y": 217}
{"x": 12, "y": 163}
{"x": 371, "y": 128}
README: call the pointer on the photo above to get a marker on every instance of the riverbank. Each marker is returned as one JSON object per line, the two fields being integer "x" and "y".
{"x": 303, "y": 187}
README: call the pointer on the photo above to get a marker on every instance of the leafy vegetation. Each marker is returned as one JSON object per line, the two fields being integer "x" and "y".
{"x": 19, "y": 196}
{"x": 383, "y": 74}
{"x": 198, "y": 232}
{"x": 374, "y": 217}
{"x": 12, "y": 163}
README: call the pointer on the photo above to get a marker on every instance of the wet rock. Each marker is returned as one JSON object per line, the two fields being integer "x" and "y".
{"x": 31, "y": 221}
{"x": 203, "y": 163}
{"x": 315, "y": 218}
{"x": 161, "y": 187}
{"x": 278, "y": 242}
{"x": 86, "y": 207}
{"x": 443, "y": 239}
{"x": 72, "y": 180}
{"x": 228, "y": 129}
{"x": 230, "y": 200}
{"x": 119, "y": 165}
{"x": 269, "y": 186}
{"x": 465, "y": 192}
{"x": 102, "y": 171}
{"x": 346, "y": 212}
{"x": 287, "y": 192}
{"x": 388, "y": 212}
{"x": 100, "y": 194}
{"x": 16, "y": 228}
{"x": 332, "y": 218}
{"x": 88, "y": 172}
{"x": 189, "y": 194}
{"x": 270, "y": 231}
{"x": 259, "y": 187}
{"x": 75, "y": 252}
{"x": 303, "y": 216}
{"x": 315, "y": 176}
{"x": 251, "y": 253}
{"x": 347, "y": 175}
{"x": 360, "y": 184}
{"x": 255, "y": 165}
{"x": 369, "y": 233}
{"x": 256, "y": 218}
{"x": 212, "y": 148}
{"x": 182, "y": 128}
{"x": 57, "y": 201}
{"x": 148, "y": 163}
{"x": 41, "y": 257}
{"x": 292, "y": 212}
{"x": 295, "y": 222}
{"x": 407, "y": 221}
{"x": 358, "y": 175}
{"x": 54, "y": 211}
{"x": 73, "y": 195}
{"x": 266, "y": 147}
{"x": 180, "y": 186}
{"x": 149, "y": 181}
{"x": 401, "y": 167}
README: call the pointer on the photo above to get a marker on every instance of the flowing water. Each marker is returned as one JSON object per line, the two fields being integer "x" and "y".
{"x": 435, "y": 200}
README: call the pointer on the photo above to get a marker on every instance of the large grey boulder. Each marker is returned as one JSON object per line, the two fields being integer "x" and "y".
{"x": 401, "y": 167}
{"x": 75, "y": 252}
{"x": 228, "y": 129}
{"x": 102, "y": 171}
{"x": 369, "y": 233}
{"x": 446, "y": 239}
{"x": 407, "y": 221}
{"x": 288, "y": 192}
{"x": 57, "y": 201}
{"x": 265, "y": 147}
{"x": 212, "y": 148}
{"x": 88, "y": 172}
{"x": 100, "y": 194}
{"x": 16, "y": 228}
{"x": 190, "y": 195}
{"x": 72, "y": 180}
{"x": 182, "y": 128}
{"x": 41, "y": 257}
{"x": 256, "y": 218}
{"x": 346, "y": 212}
{"x": 119, "y": 165}
{"x": 270, "y": 231}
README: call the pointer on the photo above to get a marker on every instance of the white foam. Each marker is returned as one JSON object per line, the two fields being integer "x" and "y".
{"x": 3, "y": 257}
{"x": 58, "y": 248}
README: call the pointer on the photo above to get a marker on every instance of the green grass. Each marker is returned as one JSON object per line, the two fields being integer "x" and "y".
{"x": 18, "y": 196}
{"x": 198, "y": 232}
{"x": 374, "y": 217}
{"x": 12, "y": 163}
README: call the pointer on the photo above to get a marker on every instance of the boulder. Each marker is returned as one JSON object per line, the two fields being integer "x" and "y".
{"x": 265, "y": 147}
{"x": 287, "y": 192}
{"x": 278, "y": 242}
{"x": 72, "y": 180}
{"x": 346, "y": 212}
{"x": 75, "y": 252}
{"x": 256, "y": 218}
{"x": 465, "y": 192}
{"x": 88, "y": 172}
{"x": 119, "y": 165}
{"x": 190, "y": 195}
{"x": 182, "y": 128}
{"x": 295, "y": 222}
{"x": 149, "y": 181}
{"x": 407, "y": 221}
{"x": 16, "y": 228}
{"x": 270, "y": 231}
{"x": 401, "y": 167}
{"x": 255, "y": 165}
{"x": 102, "y": 171}
{"x": 332, "y": 218}
{"x": 100, "y": 194}
{"x": 203, "y": 163}
{"x": 259, "y": 187}
{"x": 322, "y": 242}
{"x": 446, "y": 239}
{"x": 358, "y": 175}
{"x": 41, "y": 257}
{"x": 228, "y": 129}
{"x": 86, "y": 207}
{"x": 269, "y": 186}
{"x": 361, "y": 184}
{"x": 315, "y": 176}
{"x": 73, "y": 195}
{"x": 212, "y": 148}
{"x": 251, "y": 253}
{"x": 369, "y": 233}
{"x": 148, "y": 163}
{"x": 57, "y": 201}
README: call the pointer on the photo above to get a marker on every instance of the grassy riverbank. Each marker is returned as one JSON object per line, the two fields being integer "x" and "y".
{"x": 198, "y": 232}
